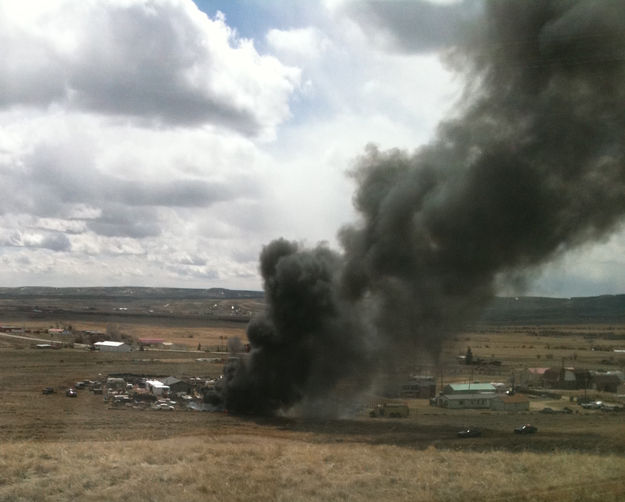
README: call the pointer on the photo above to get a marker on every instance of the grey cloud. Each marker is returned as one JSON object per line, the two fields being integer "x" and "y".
{"x": 121, "y": 221}
{"x": 195, "y": 261}
{"x": 414, "y": 25}
{"x": 52, "y": 180}
{"x": 179, "y": 193}
{"x": 56, "y": 242}
{"x": 156, "y": 63}
{"x": 194, "y": 272}
{"x": 24, "y": 83}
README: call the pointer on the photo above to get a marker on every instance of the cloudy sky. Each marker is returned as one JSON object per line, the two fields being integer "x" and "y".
{"x": 164, "y": 142}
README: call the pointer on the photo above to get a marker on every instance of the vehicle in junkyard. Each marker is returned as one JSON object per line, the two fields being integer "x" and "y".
{"x": 47, "y": 390}
{"x": 526, "y": 429}
{"x": 71, "y": 393}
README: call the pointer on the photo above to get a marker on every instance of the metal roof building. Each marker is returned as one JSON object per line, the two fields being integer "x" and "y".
{"x": 468, "y": 388}
{"x": 112, "y": 346}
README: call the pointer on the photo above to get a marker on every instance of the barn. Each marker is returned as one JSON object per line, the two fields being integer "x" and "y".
{"x": 109, "y": 346}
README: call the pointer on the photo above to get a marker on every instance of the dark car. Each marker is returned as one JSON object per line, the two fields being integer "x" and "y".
{"x": 71, "y": 393}
{"x": 469, "y": 433}
{"x": 526, "y": 429}
{"x": 47, "y": 390}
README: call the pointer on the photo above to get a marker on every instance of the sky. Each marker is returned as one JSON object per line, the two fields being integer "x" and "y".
{"x": 165, "y": 142}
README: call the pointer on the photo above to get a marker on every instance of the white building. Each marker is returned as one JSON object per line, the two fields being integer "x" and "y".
{"x": 157, "y": 387}
{"x": 112, "y": 346}
{"x": 473, "y": 400}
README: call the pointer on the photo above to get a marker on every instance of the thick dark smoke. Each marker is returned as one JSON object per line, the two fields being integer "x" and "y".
{"x": 532, "y": 165}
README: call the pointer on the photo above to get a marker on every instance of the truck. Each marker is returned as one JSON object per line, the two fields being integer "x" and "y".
{"x": 390, "y": 410}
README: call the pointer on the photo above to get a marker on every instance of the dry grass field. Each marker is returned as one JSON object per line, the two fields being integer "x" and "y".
{"x": 55, "y": 448}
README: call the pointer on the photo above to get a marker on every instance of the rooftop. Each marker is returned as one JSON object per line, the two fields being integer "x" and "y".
{"x": 472, "y": 387}
{"x": 109, "y": 344}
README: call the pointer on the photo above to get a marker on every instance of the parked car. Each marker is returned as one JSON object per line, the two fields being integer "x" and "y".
{"x": 48, "y": 390}
{"x": 526, "y": 429}
{"x": 71, "y": 393}
{"x": 469, "y": 432}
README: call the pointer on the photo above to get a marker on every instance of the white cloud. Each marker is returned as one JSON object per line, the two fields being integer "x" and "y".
{"x": 160, "y": 63}
{"x": 307, "y": 43}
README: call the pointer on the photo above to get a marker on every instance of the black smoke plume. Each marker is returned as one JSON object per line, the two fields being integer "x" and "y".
{"x": 531, "y": 166}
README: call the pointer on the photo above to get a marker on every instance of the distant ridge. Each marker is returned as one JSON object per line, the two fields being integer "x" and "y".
{"x": 537, "y": 310}
{"x": 502, "y": 310}
{"x": 128, "y": 292}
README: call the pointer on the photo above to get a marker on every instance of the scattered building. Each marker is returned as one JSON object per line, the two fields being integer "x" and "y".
{"x": 177, "y": 386}
{"x": 157, "y": 388}
{"x": 58, "y": 332}
{"x": 566, "y": 378}
{"x": 554, "y": 378}
{"x": 531, "y": 377}
{"x": 611, "y": 381}
{"x": 110, "y": 346}
{"x": 423, "y": 387}
{"x": 465, "y": 400}
{"x": 150, "y": 342}
{"x": 516, "y": 402}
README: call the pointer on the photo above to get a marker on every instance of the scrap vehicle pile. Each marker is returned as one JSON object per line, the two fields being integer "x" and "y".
{"x": 157, "y": 393}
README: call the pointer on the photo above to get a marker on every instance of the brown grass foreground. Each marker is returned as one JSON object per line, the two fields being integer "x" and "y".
{"x": 256, "y": 468}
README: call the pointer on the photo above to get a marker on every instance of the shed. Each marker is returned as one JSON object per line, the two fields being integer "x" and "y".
{"x": 516, "y": 402}
{"x": 151, "y": 341}
{"x": 109, "y": 346}
{"x": 423, "y": 388}
{"x": 606, "y": 382}
{"x": 177, "y": 386}
{"x": 532, "y": 377}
